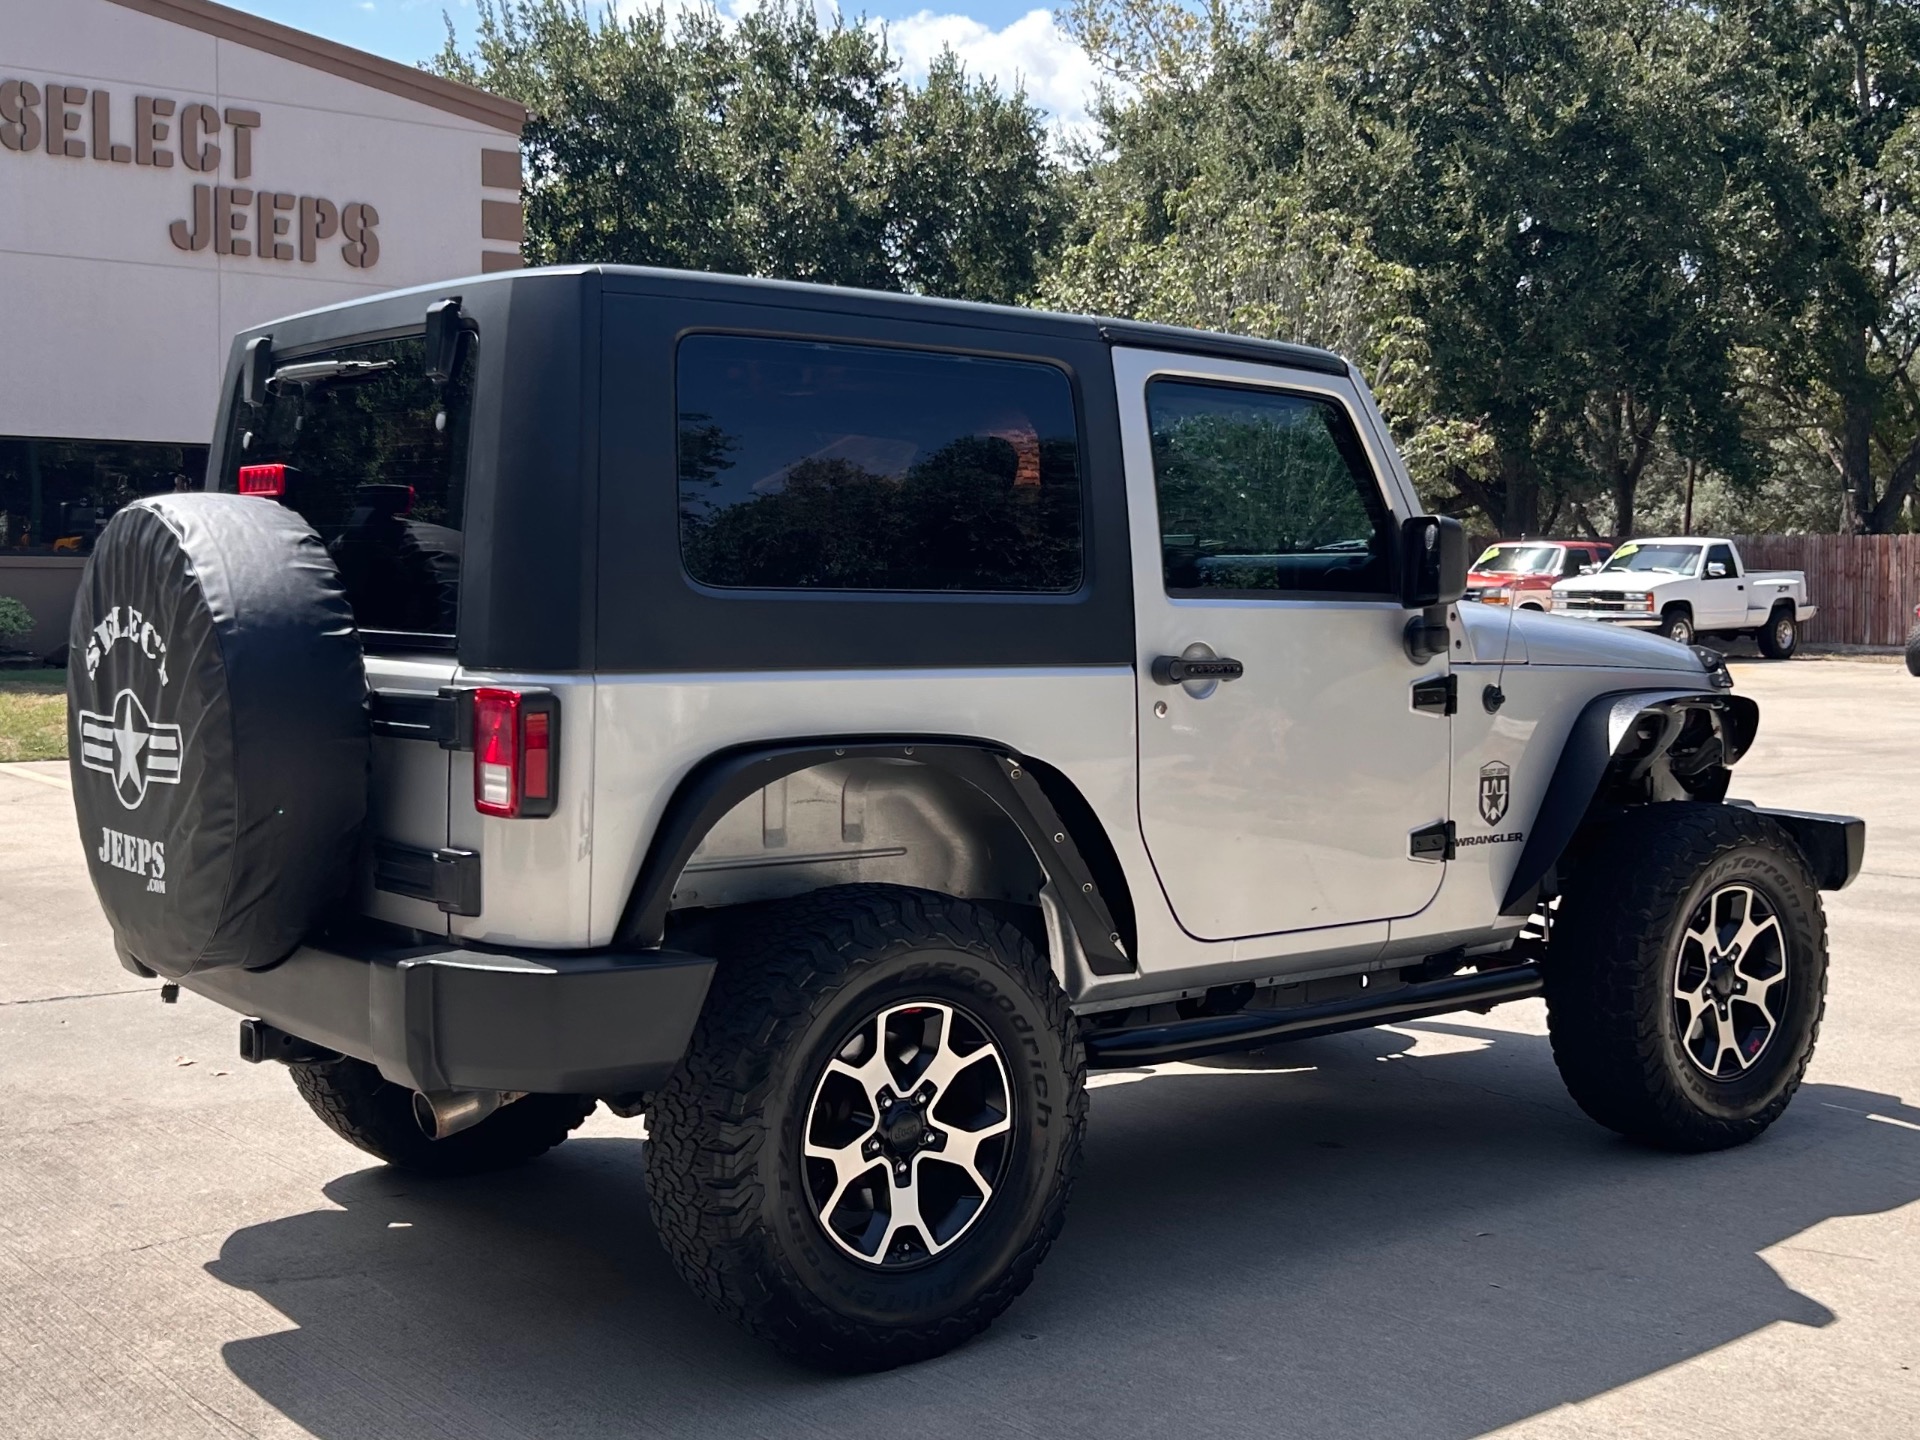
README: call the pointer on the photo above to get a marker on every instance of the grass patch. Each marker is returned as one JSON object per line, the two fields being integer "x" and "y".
{"x": 33, "y": 715}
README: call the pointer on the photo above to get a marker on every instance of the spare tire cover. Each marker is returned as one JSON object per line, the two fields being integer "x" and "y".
{"x": 216, "y": 730}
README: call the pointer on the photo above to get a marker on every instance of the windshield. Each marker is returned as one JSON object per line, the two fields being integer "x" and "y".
{"x": 376, "y": 458}
{"x": 1668, "y": 559}
{"x": 1519, "y": 560}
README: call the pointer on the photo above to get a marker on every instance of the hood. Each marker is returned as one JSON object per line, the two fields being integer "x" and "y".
{"x": 1564, "y": 640}
{"x": 1491, "y": 579}
{"x": 1615, "y": 582}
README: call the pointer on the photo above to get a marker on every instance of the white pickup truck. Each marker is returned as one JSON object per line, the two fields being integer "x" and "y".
{"x": 1688, "y": 586}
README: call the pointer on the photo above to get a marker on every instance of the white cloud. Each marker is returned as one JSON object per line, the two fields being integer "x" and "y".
{"x": 730, "y": 11}
{"x": 1032, "y": 52}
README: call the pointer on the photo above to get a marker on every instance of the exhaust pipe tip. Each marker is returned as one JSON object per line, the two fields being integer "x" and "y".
{"x": 448, "y": 1112}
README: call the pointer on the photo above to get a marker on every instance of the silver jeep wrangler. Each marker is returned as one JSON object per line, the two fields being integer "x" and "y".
{"x": 828, "y": 724}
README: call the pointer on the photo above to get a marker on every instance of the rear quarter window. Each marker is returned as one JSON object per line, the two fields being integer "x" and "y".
{"x": 819, "y": 466}
{"x": 377, "y": 463}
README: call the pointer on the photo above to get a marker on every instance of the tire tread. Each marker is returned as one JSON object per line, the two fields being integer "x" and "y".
{"x": 1603, "y": 1016}
{"x": 705, "y": 1134}
{"x": 370, "y": 1112}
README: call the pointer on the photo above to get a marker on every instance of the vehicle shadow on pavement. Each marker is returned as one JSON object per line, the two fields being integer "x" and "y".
{"x": 1395, "y": 1232}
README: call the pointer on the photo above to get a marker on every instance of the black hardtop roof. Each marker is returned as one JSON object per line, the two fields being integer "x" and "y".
{"x": 739, "y": 289}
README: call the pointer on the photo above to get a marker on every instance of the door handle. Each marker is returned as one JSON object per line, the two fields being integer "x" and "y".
{"x": 1177, "y": 670}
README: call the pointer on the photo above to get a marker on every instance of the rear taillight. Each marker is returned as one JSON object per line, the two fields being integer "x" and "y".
{"x": 267, "y": 480}
{"x": 516, "y": 737}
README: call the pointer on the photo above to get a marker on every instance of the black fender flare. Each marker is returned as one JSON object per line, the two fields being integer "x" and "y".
{"x": 1598, "y": 733}
{"x": 1075, "y": 852}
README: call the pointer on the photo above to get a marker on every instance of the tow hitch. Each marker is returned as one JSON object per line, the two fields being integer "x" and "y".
{"x": 260, "y": 1042}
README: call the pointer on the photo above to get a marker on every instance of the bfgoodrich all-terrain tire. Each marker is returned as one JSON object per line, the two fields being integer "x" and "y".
{"x": 364, "y": 1108}
{"x": 869, "y": 1146}
{"x": 1686, "y": 975}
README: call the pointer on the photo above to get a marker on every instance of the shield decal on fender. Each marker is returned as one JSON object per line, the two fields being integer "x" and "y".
{"x": 1494, "y": 788}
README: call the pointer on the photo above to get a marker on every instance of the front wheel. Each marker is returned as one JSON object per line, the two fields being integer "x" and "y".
{"x": 868, "y": 1148}
{"x": 1913, "y": 651}
{"x": 1780, "y": 637}
{"x": 1686, "y": 975}
{"x": 1677, "y": 624}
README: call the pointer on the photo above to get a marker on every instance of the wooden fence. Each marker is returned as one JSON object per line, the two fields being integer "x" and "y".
{"x": 1865, "y": 585}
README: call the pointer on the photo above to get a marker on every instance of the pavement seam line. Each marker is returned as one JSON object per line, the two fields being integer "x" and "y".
{"x": 53, "y": 781}
{"x": 90, "y": 995}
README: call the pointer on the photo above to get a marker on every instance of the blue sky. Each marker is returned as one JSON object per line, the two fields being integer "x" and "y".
{"x": 1007, "y": 39}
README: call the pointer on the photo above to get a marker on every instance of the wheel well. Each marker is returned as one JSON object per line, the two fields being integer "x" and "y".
{"x": 1626, "y": 750}
{"x": 964, "y": 818}
{"x": 1784, "y": 603}
{"x": 1673, "y": 605}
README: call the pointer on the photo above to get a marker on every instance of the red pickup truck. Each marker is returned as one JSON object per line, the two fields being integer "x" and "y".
{"x": 1522, "y": 572}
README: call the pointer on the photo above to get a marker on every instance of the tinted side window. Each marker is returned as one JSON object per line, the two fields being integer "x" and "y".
{"x": 1263, "y": 492}
{"x": 1722, "y": 555}
{"x": 377, "y": 463}
{"x": 845, "y": 467}
{"x": 1575, "y": 560}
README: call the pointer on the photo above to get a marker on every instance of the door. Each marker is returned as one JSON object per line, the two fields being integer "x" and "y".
{"x": 1723, "y": 590}
{"x": 1286, "y": 796}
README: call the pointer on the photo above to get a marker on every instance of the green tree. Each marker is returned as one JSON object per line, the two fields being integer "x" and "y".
{"x": 1842, "y": 78}
{"x": 1534, "y": 198}
{"x": 780, "y": 145}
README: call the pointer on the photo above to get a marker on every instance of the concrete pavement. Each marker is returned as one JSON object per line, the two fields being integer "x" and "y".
{"x": 1401, "y": 1232}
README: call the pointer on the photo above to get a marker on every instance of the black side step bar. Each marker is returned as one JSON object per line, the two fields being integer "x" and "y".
{"x": 1217, "y": 1034}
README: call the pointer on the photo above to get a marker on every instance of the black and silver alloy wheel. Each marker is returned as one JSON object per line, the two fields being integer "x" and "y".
{"x": 869, "y": 1145}
{"x": 1686, "y": 974}
{"x": 907, "y": 1133}
{"x": 1730, "y": 982}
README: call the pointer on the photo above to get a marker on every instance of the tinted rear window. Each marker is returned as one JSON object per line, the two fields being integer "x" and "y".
{"x": 843, "y": 467}
{"x": 377, "y": 463}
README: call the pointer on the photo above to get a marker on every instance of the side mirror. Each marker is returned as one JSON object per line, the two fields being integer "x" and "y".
{"x": 1589, "y": 569}
{"x": 1433, "y": 561}
{"x": 1716, "y": 571}
{"x": 445, "y": 324}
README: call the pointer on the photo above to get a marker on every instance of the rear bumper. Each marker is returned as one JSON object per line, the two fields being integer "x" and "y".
{"x": 440, "y": 1017}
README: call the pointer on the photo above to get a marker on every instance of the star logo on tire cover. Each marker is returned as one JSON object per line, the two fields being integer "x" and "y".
{"x": 126, "y": 744}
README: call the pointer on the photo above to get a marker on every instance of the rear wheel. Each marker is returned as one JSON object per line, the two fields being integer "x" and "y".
{"x": 1686, "y": 975}
{"x": 1781, "y": 636}
{"x": 366, "y": 1109}
{"x": 1913, "y": 651}
{"x": 1676, "y": 623}
{"x": 868, "y": 1148}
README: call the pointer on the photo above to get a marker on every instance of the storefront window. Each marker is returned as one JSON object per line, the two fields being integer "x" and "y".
{"x": 57, "y": 495}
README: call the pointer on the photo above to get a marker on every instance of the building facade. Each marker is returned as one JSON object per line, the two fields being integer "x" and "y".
{"x": 172, "y": 171}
